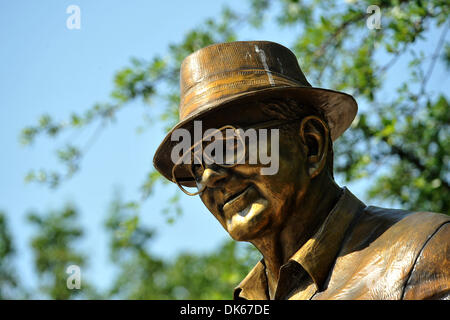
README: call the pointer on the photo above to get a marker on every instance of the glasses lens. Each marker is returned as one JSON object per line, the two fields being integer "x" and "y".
{"x": 224, "y": 147}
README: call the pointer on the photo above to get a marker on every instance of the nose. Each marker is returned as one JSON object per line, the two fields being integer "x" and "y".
{"x": 213, "y": 176}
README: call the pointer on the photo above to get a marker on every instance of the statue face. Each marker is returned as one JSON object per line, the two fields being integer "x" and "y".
{"x": 249, "y": 204}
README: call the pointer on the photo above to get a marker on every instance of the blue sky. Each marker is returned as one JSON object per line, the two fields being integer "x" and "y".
{"x": 47, "y": 68}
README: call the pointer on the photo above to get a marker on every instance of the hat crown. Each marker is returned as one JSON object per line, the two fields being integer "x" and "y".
{"x": 220, "y": 83}
{"x": 219, "y": 71}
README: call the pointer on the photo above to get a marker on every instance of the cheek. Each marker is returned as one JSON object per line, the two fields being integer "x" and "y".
{"x": 290, "y": 172}
{"x": 281, "y": 189}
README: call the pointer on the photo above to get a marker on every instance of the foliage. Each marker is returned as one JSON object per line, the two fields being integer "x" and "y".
{"x": 139, "y": 273}
{"x": 188, "y": 276}
{"x": 9, "y": 284}
{"x": 54, "y": 250}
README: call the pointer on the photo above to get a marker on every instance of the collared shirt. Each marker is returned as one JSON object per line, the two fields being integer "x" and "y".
{"x": 363, "y": 252}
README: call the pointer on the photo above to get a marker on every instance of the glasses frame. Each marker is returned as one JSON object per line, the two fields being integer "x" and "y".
{"x": 257, "y": 126}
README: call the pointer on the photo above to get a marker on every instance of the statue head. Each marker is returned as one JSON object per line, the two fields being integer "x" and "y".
{"x": 253, "y": 136}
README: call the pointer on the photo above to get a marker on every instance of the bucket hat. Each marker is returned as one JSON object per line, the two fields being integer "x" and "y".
{"x": 220, "y": 83}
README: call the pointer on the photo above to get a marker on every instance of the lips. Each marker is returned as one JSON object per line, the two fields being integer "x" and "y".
{"x": 235, "y": 196}
{"x": 238, "y": 202}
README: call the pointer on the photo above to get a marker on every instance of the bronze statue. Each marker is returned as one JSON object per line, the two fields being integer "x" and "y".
{"x": 317, "y": 239}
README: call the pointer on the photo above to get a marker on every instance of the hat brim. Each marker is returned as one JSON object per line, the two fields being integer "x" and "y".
{"x": 339, "y": 109}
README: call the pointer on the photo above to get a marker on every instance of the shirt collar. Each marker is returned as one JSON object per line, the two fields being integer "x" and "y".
{"x": 316, "y": 256}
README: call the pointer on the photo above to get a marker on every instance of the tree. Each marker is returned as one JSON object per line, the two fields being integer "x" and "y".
{"x": 9, "y": 283}
{"x": 139, "y": 273}
{"x": 54, "y": 251}
{"x": 189, "y": 276}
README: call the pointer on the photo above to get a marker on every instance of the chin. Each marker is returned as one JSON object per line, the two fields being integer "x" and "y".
{"x": 252, "y": 225}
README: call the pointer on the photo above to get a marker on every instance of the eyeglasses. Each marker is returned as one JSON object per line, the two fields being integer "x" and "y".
{"x": 233, "y": 147}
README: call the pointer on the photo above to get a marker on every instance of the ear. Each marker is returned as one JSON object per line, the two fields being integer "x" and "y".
{"x": 314, "y": 134}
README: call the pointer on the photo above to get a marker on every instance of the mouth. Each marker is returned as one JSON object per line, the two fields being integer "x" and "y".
{"x": 243, "y": 212}
{"x": 230, "y": 199}
{"x": 240, "y": 202}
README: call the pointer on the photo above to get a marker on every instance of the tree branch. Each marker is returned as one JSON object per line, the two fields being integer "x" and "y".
{"x": 434, "y": 59}
{"x": 404, "y": 154}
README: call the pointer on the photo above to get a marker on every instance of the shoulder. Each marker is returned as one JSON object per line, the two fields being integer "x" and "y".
{"x": 387, "y": 250}
{"x": 397, "y": 229}
{"x": 430, "y": 276}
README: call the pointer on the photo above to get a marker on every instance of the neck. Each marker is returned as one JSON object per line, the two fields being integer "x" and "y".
{"x": 305, "y": 216}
